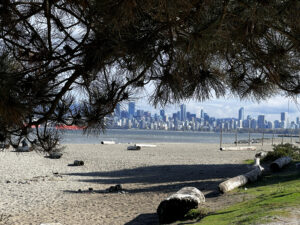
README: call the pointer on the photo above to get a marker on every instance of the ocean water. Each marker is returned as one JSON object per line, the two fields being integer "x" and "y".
{"x": 155, "y": 136}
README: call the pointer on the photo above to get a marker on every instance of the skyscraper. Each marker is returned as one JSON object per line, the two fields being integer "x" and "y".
{"x": 162, "y": 113}
{"x": 282, "y": 116}
{"x": 202, "y": 113}
{"x": 131, "y": 109}
{"x": 261, "y": 121}
{"x": 183, "y": 112}
{"x": 118, "y": 110}
{"x": 241, "y": 113}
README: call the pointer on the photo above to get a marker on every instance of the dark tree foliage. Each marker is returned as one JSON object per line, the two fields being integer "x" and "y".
{"x": 105, "y": 51}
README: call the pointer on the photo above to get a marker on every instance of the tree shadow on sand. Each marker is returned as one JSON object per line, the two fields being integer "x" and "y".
{"x": 166, "y": 178}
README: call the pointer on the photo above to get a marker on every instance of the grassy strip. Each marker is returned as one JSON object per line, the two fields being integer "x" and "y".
{"x": 271, "y": 196}
{"x": 249, "y": 161}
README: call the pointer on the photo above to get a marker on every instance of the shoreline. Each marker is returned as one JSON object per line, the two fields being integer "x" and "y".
{"x": 44, "y": 190}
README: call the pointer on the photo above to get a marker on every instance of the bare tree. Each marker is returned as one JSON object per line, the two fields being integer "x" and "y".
{"x": 106, "y": 50}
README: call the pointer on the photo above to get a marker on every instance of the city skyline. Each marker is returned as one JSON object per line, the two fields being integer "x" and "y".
{"x": 212, "y": 109}
{"x": 181, "y": 119}
{"x": 226, "y": 106}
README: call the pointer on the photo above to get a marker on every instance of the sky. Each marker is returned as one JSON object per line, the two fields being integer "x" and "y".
{"x": 227, "y": 107}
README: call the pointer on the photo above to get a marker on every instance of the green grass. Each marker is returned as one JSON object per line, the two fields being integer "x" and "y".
{"x": 271, "y": 196}
{"x": 249, "y": 161}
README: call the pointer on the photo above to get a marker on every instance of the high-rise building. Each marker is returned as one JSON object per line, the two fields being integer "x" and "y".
{"x": 282, "y": 116}
{"x": 202, "y": 113}
{"x": 183, "y": 112}
{"x": 118, "y": 110}
{"x": 162, "y": 113}
{"x": 261, "y": 121}
{"x": 131, "y": 109}
{"x": 241, "y": 113}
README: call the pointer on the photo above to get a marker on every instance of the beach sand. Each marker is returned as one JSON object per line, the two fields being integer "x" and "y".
{"x": 35, "y": 189}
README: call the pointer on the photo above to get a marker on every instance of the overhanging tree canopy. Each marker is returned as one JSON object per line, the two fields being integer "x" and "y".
{"x": 106, "y": 50}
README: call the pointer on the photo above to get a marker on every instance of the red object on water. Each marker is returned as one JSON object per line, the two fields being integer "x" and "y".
{"x": 66, "y": 127}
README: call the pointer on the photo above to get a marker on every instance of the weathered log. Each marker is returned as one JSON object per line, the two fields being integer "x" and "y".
{"x": 146, "y": 145}
{"x": 78, "y": 163}
{"x": 134, "y": 147}
{"x": 55, "y": 155}
{"x": 108, "y": 142}
{"x": 177, "y": 205}
{"x": 257, "y": 161}
{"x": 233, "y": 183}
{"x": 240, "y": 180}
{"x": 248, "y": 148}
{"x": 280, "y": 163}
{"x": 260, "y": 155}
{"x": 254, "y": 174}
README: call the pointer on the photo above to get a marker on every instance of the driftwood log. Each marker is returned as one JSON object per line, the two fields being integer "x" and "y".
{"x": 279, "y": 163}
{"x": 108, "y": 142}
{"x": 177, "y": 205}
{"x": 240, "y": 180}
{"x": 55, "y": 155}
{"x": 78, "y": 163}
{"x": 146, "y": 145}
{"x": 248, "y": 148}
{"x": 134, "y": 147}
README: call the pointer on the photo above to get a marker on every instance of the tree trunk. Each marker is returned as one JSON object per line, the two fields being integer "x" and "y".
{"x": 241, "y": 180}
{"x": 252, "y": 148}
{"x": 134, "y": 147}
{"x": 279, "y": 163}
{"x": 177, "y": 205}
{"x": 108, "y": 142}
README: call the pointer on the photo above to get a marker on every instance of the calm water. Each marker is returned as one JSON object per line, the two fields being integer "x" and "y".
{"x": 148, "y": 136}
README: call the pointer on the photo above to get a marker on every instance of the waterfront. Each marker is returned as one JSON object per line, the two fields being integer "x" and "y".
{"x": 155, "y": 136}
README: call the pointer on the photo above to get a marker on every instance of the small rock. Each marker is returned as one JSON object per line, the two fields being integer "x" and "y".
{"x": 116, "y": 188}
{"x": 8, "y": 181}
{"x": 91, "y": 189}
{"x": 79, "y": 191}
{"x": 119, "y": 187}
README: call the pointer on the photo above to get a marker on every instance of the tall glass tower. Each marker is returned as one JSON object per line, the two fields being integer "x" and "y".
{"x": 241, "y": 113}
{"x": 183, "y": 112}
{"x": 131, "y": 109}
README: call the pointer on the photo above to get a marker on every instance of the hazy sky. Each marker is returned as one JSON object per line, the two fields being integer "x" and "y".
{"x": 228, "y": 107}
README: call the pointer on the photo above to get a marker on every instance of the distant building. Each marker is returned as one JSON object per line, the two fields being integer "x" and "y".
{"x": 253, "y": 124}
{"x": 241, "y": 113}
{"x": 118, "y": 110}
{"x": 183, "y": 112}
{"x": 282, "y": 116}
{"x": 202, "y": 113}
{"x": 131, "y": 109}
{"x": 162, "y": 113}
{"x": 140, "y": 113}
{"x": 261, "y": 122}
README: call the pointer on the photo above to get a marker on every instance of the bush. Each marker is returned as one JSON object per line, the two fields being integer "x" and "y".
{"x": 282, "y": 150}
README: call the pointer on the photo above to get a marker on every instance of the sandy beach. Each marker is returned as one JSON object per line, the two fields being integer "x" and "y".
{"x": 35, "y": 189}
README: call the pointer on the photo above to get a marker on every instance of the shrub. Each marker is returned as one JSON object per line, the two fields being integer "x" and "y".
{"x": 282, "y": 150}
